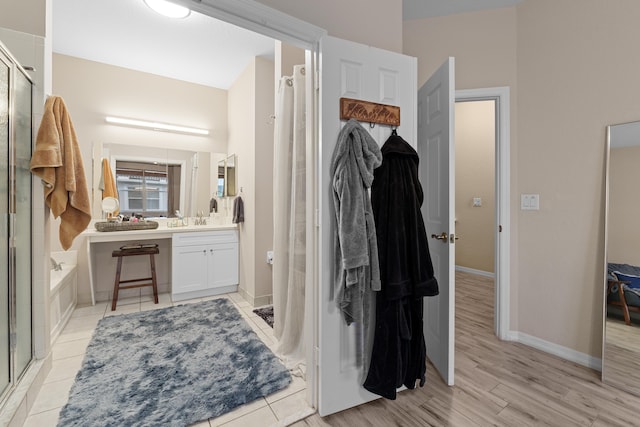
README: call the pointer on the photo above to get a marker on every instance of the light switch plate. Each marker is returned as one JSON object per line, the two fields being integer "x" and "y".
{"x": 530, "y": 202}
{"x": 477, "y": 202}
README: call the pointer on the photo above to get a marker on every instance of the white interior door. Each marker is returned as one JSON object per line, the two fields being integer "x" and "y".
{"x": 436, "y": 103}
{"x": 350, "y": 70}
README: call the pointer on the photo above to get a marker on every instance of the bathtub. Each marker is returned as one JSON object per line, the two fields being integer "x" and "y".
{"x": 63, "y": 294}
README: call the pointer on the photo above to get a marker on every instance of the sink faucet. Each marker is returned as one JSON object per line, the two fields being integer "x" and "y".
{"x": 200, "y": 219}
{"x": 57, "y": 266}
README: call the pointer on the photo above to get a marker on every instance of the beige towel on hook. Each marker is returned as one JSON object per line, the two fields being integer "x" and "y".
{"x": 58, "y": 162}
{"x": 110, "y": 188}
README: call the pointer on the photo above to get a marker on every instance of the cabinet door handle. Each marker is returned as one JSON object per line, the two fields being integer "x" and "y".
{"x": 204, "y": 251}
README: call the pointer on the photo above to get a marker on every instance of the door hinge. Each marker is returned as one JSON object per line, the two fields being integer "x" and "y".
{"x": 316, "y": 218}
{"x": 499, "y": 229}
{"x": 317, "y": 355}
{"x": 316, "y": 80}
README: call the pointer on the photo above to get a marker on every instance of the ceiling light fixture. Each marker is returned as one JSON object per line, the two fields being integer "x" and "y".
{"x": 168, "y": 9}
{"x": 155, "y": 126}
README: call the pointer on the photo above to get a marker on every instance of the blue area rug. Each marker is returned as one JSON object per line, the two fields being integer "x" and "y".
{"x": 171, "y": 367}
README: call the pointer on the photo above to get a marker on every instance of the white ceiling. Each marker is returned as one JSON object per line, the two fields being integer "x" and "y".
{"x": 197, "y": 49}
{"x": 126, "y": 33}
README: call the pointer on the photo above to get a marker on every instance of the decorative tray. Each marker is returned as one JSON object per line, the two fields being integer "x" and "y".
{"x": 125, "y": 226}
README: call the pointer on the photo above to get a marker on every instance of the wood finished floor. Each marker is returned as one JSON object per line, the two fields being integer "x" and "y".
{"x": 622, "y": 350}
{"x": 497, "y": 383}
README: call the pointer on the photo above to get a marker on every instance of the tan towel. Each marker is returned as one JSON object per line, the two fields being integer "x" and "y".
{"x": 58, "y": 162}
{"x": 110, "y": 189}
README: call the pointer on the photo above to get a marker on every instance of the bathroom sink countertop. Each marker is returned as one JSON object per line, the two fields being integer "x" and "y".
{"x": 163, "y": 231}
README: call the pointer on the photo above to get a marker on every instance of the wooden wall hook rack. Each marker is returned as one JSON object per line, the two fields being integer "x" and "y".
{"x": 365, "y": 111}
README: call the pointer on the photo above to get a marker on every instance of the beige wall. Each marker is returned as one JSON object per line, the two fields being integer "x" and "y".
{"x": 571, "y": 71}
{"x": 92, "y": 90}
{"x": 241, "y": 107}
{"x": 289, "y": 56}
{"x": 265, "y": 100}
{"x": 27, "y": 16}
{"x": 475, "y": 169}
{"x": 376, "y": 24}
{"x": 483, "y": 43}
{"x": 251, "y": 100}
{"x": 574, "y": 77}
{"x": 624, "y": 206}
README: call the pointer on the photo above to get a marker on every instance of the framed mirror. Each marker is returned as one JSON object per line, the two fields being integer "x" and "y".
{"x": 226, "y": 185}
{"x": 231, "y": 175}
{"x": 621, "y": 335}
{"x": 221, "y": 178}
{"x": 154, "y": 181}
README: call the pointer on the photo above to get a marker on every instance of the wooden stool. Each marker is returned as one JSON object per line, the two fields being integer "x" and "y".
{"x": 132, "y": 250}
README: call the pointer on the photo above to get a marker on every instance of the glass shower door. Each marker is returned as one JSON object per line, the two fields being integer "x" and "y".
{"x": 21, "y": 205}
{"x": 16, "y": 334}
{"x": 5, "y": 324}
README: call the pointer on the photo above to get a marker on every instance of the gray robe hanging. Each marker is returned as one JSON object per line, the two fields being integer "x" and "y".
{"x": 356, "y": 272}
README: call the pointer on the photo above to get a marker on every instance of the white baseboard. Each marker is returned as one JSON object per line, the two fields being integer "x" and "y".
{"x": 474, "y": 271}
{"x": 255, "y": 301}
{"x": 557, "y": 350}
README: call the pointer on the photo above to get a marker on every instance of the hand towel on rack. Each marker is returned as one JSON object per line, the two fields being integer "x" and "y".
{"x": 58, "y": 162}
{"x": 238, "y": 210}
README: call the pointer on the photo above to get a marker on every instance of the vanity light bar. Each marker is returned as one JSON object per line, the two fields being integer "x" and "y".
{"x": 155, "y": 125}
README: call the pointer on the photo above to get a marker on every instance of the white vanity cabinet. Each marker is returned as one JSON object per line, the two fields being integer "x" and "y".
{"x": 204, "y": 263}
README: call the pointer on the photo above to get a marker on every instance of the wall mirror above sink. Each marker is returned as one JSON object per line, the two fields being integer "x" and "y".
{"x": 621, "y": 335}
{"x": 155, "y": 182}
{"x": 227, "y": 182}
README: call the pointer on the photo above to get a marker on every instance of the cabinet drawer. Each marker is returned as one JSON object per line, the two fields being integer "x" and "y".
{"x": 204, "y": 237}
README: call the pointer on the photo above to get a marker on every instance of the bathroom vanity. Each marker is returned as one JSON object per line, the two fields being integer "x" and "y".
{"x": 204, "y": 258}
{"x": 204, "y": 264}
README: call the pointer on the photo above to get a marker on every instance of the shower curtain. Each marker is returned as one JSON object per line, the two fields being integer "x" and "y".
{"x": 289, "y": 220}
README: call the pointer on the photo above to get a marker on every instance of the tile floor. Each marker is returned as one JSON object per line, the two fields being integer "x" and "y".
{"x": 69, "y": 349}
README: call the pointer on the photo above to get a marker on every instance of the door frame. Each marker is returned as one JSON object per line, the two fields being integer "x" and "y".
{"x": 502, "y": 200}
{"x": 254, "y": 16}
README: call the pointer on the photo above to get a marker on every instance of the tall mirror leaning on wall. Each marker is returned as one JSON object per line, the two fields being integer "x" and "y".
{"x": 621, "y": 335}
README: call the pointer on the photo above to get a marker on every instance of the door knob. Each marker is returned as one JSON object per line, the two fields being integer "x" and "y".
{"x": 442, "y": 236}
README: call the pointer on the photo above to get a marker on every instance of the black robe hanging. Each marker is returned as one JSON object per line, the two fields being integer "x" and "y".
{"x": 399, "y": 353}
